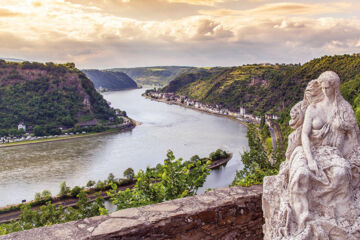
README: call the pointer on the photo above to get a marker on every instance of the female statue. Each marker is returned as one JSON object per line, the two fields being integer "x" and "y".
{"x": 314, "y": 196}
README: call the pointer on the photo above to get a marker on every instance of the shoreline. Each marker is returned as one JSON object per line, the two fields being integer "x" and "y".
{"x": 197, "y": 109}
{"x": 12, "y": 214}
{"x": 115, "y": 130}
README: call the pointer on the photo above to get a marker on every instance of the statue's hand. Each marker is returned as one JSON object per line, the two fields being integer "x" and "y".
{"x": 313, "y": 166}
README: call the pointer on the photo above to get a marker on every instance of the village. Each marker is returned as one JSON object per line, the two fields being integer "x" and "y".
{"x": 185, "y": 101}
{"x": 29, "y": 136}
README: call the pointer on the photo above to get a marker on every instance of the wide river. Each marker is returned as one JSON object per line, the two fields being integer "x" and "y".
{"x": 27, "y": 169}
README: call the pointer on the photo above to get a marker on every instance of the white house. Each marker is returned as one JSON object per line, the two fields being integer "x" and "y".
{"x": 242, "y": 111}
{"x": 22, "y": 126}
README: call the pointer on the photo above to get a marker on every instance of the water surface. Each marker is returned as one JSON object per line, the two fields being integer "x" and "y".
{"x": 27, "y": 169}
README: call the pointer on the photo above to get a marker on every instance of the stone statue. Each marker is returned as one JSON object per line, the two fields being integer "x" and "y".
{"x": 316, "y": 194}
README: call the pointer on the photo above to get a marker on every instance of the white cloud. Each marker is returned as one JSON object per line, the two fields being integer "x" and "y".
{"x": 64, "y": 31}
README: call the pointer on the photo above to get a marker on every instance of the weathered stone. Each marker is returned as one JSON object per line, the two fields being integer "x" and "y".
{"x": 214, "y": 215}
{"x": 113, "y": 225}
{"x": 315, "y": 194}
{"x": 162, "y": 207}
{"x": 126, "y": 213}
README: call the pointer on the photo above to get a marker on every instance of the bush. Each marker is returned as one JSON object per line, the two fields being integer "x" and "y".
{"x": 75, "y": 191}
{"x": 90, "y": 183}
{"x": 129, "y": 173}
{"x": 64, "y": 190}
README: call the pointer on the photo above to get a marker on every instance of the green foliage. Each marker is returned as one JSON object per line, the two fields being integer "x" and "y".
{"x": 153, "y": 75}
{"x": 46, "y": 194}
{"x": 50, "y": 214}
{"x": 129, "y": 173}
{"x": 51, "y": 97}
{"x": 64, "y": 190}
{"x": 90, "y": 183}
{"x": 256, "y": 162}
{"x": 75, "y": 191}
{"x": 218, "y": 154}
{"x": 110, "y": 80}
{"x": 262, "y": 89}
{"x": 172, "y": 180}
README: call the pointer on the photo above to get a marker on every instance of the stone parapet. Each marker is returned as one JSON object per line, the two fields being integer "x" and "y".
{"x": 227, "y": 213}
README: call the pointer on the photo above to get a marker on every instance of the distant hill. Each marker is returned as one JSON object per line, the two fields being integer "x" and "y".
{"x": 159, "y": 76}
{"x": 50, "y": 95}
{"x": 110, "y": 80}
{"x": 12, "y": 59}
{"x": 263, "y": 88}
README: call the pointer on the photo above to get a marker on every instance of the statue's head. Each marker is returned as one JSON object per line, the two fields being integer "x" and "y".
{"x": 330, "y": 83}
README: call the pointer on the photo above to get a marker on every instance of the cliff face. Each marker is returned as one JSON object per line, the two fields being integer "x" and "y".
{"x": 110, "y": 80}
{"x": 48, "y": 94}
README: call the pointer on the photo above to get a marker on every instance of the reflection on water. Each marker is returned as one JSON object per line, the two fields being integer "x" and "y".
{"x": 25, "y": 170}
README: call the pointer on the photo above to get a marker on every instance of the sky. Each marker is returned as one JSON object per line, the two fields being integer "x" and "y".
{"x": 128, "y": 33}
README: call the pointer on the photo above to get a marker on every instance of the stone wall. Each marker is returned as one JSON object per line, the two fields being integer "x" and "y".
{"x": 227, "y": 213}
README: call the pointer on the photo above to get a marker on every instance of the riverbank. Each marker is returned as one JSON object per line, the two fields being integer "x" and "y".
{"x": 123, "y": 128}
{"x": 12, "y": 212}
{"x": 243, "y": 122}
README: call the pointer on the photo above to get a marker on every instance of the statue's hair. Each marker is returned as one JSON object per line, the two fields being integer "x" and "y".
{"x": 313, "y": 93}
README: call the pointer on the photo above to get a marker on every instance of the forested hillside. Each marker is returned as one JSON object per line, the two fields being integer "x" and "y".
{"x": 267, "y": 88}
{"x": 159, "y": 76}
{"x": 50, "y": 95}
{"x": 110, "y": 80}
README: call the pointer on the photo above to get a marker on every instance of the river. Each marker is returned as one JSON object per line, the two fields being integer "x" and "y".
{"x": 27, "y": 169}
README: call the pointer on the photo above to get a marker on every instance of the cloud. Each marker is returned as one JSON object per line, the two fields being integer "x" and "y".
{"x": 62, "y": 31}
{"x": 197, "y": 2}
{"x": 7, "y": 13}
{"x": 276, "y": 9}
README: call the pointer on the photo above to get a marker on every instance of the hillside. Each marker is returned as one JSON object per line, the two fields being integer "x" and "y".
{"x": 110, "y": 80}
{"x": 48, "y": 95}
{"x": 158, "y": 76}
{"x": 254, "y": 87}
{"x": 266, "y": 88}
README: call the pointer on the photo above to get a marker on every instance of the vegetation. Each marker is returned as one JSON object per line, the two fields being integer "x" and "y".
{"x": 173, "y": 179}
{"x": 129, "y": 173}
{"x": 256, "y": 161}
{"x": 159, "y": 76}
{"x": 110, "y": 80}
{"x": 264, "y": 88}
{"x": 50, "y": 214}
{"x": 46, "y": 97}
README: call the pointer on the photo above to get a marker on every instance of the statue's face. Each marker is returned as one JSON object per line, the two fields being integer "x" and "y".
{"x": 327, "y": 89}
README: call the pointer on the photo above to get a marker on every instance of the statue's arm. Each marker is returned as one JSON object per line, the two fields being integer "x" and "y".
{"x": 305, "y": 139}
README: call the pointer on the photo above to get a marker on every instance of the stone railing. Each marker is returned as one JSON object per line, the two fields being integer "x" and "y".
{"x": 227, "y": 213}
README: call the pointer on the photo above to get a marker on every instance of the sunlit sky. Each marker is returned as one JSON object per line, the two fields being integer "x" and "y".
{"x": 127, "y": 33}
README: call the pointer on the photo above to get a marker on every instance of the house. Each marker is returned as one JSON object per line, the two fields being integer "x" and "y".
{"x": 22, "y": 126}
{"x": 242, "y": 111}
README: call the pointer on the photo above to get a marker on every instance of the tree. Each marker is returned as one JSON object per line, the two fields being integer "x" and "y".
{"x": 90, "y": 183}
{"x": 46, "y": 194}
{"x": 75, "y": 191}
{"x": 111, "y": 177}
{"x": 39, "y": 131}
{"x": 37, "y": 196}
{"x": 129, "y": 173}
{"x": 64, "y": 190}
{"x": 172, "y": 180}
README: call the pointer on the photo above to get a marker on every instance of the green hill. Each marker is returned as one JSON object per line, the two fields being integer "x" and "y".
{"x": 266, "y": 88}
{"x": 158, "y": 76}
{"x": 110, "y": 80}
{"x": 50, "y": 95}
